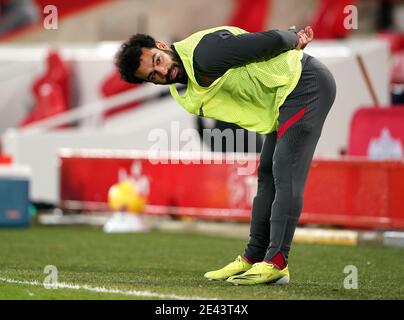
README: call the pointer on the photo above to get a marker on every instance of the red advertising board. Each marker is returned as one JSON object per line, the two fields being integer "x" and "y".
{"x": 193, "y": 186}
{"x": 346, "y": 192}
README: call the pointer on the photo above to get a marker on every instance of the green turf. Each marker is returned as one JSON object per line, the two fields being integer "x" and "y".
{"x": 169, "y": 263}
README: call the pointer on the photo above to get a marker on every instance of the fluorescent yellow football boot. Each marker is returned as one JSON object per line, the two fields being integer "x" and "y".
{"x": 261, "y": 272}
{"x": 238, "y": 266}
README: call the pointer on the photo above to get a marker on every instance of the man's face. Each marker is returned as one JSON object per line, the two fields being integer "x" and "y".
{"x": 158, "y": 65}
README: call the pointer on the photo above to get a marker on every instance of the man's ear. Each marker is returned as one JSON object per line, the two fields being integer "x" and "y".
{"x": 161, "y": 45}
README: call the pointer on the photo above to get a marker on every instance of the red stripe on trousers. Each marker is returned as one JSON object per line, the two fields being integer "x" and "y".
{"x": 291, "y": 121}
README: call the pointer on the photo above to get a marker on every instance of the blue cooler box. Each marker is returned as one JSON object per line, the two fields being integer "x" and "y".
{"x": 14, "y": 196}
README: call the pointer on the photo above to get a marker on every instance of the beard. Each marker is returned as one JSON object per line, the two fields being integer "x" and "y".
{"x": 181, "y": 76}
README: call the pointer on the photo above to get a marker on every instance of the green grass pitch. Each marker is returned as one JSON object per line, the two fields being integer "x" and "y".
{"x": 163, "y": 265}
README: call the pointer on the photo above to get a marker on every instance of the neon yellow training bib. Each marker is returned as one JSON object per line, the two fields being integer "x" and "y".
{"x": 249, "y": 96}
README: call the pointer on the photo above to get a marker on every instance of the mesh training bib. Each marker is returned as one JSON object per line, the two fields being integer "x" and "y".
{"x": 249, "y": 95}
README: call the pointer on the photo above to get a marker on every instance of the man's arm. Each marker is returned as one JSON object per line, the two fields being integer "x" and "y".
{"x": 221, "y": 50}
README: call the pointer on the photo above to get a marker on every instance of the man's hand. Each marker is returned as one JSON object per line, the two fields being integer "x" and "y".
{"x": 304, "y": 37}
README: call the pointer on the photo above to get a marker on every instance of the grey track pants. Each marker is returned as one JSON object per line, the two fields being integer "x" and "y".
{"x": 285, "y": 161}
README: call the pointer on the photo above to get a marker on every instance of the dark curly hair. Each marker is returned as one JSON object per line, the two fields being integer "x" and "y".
{"x": 127, "y": 60}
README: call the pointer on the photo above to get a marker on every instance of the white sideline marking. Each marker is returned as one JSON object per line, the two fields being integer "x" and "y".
{"x": 134, "y": 293}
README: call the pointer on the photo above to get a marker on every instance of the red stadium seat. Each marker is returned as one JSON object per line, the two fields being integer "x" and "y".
{"x": 377, "y": 133}
{"x": 250, "y": 15}
{"x": 328, "y": 20}
{"x": 51, "y": 90}
{"x": 397, "y": 74}
{"x": 49, "y": 102}
{"x": 395, "y": 40}
{"x": 57, "y": 71}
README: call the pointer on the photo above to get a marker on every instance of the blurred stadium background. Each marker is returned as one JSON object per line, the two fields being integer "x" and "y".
{"x": 70, "y": 129}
